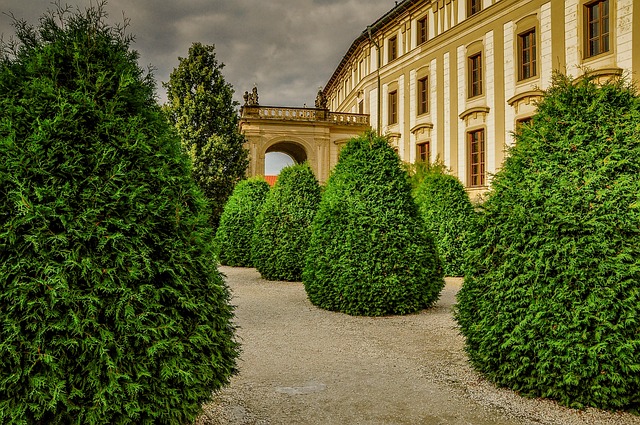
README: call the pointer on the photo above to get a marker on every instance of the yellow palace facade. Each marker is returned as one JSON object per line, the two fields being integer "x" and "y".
{"x": 452, "y": 79}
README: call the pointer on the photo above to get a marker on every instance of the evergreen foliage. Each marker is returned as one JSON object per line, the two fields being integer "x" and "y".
{"x": 201, "y": 107}
{"x": 420, "y": 169}
{"x": 283, "y": 226}
{"x": 111, "y": 308}
{"x": 233, "y": 237}
{"x": 550, "y": 306}
{"x": 449, "y": 216}
{"x": 370, "y": 252}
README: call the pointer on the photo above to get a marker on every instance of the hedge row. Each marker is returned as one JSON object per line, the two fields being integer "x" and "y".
{"x": 283, "y": 226}
{"x": 370, "y": 252}
{"x": 550, "y": 306}
{"x": 234, "y": 234}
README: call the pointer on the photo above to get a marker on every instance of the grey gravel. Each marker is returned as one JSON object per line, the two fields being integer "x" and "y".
{"x": 304, "y": 365}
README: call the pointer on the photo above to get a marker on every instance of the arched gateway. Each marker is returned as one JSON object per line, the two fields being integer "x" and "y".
{"x": 305, "y": 134}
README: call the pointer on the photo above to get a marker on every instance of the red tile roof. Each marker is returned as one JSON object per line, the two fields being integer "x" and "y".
{"x": 271, "y": 180}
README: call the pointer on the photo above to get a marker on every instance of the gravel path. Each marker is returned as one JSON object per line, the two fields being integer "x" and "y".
{"x": 303, "y": 365}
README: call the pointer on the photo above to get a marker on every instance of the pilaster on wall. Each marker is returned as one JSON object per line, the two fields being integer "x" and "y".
{"x": 572, "y": 55}
{"x": 491, "y": 144}
{"x": 412, "y": 115}
{"x": 433, "y": 99}
{"x": 385, "y": 105}
{"x": 373, "y": 64}
{"x": 401, "y": 115}
{"x": 624, "y": 29}
{"x": 546, "y": 58}
{"x": 373, "y": 109}
{"x": 509, "y": 81}
{"x": 447, "y": 109}
{"x": 462, "y": 105}
{"x": 432, "y": 25}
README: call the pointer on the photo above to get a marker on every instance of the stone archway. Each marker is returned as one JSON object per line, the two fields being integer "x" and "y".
{"x": 305, "y": 134}
{"x": 295, "y": 150}
{"x": 298, "y": 149}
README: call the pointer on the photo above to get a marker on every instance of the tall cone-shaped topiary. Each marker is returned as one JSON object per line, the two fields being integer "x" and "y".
{"x": 283, "y": 227}
{"x": 233, "y": 237}
{"x": 370, "y": 252}
{"x": 449, "y": 216}
{"x": 112, "y": 310}
{"x": 550, "y": 306}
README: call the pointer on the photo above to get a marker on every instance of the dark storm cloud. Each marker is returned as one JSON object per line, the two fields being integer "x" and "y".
{"x": 288, "y": 48}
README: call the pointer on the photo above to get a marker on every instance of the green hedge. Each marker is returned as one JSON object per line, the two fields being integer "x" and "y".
{"x": 550, "y": 306}
{"x": 449, "y": 216}
{"x": 370, "y": 252}
{"x": 233, "y": 237}
{"x": 111, "y": 308}
{"x": 283, "y": 226}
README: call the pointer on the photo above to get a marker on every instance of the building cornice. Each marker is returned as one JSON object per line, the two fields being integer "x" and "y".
{"x": 364, "y": 37}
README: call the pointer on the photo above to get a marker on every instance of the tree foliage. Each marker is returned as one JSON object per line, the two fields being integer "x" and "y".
{"x": 111, "y": 310}
{"x": 233, "y": 237}
{"x": 201, "y": 107}
{"x": 283, "y": 226}
{"x": 419, "y": 170}
{"x": 370, "y": 252}
{"x": 449, "y": 216}
{"x": 551, "y": 302}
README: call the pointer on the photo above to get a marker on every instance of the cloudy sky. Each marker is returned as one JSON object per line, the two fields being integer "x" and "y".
{"x": 289, "y": 48}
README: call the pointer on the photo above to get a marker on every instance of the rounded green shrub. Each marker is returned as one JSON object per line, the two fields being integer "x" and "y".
{"x": 449, "y": 216}
{"x": 370, "y": 252}
{"x": 283, "y": 226}
{"x": 550, "y": 306}
{"x": 111, "y": 308}
{"x": 233, "y": 237}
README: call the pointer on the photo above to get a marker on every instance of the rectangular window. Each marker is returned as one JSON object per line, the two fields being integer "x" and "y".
{"x": 476, "y": 158}
{"x": 527, "y": 54}
{"x": 361, "y": 69}
{"x": 422, "y": 30}
{"x": 473, "y": 7}
{"x": 423, "y": 152}
{"x": 475, "y": 75}
{"x": 361, "y": 107}
{"x": 393, "y": 107}
{"x": 597, "y": 27}
{"x": 423, "y": 95}
{"x": 522, "y": 121}
{"x": 393, "y": 48}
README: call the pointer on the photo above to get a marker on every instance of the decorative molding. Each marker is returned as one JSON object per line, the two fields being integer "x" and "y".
{"x": 536, "y": 94}
{"x": 422, "y": 126}
{"x": 604, "y": 72}
{"x": 475, "y": 110}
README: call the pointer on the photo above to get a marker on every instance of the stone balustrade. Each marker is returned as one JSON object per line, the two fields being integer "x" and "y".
{"x": 346, "y": 118}
{"x": 304, "y": 114}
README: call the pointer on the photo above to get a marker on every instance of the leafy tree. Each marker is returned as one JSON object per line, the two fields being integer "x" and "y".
{"x": 550, "y": 305}
{"x": 449, "y": 216}
{"x": 201, "y": 107}
{"x": 370, "y": 252}
{"x": 283, "y": 227}
{"x": 233, "y": 237}
{"x": 111, "y": 310}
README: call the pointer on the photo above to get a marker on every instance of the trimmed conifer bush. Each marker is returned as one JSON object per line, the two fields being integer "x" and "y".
{"x": 233, "y": 237}
{"x": 550, "y": 306}
{"x": 111, "y": 308}
{"x": 449, "y": 216}
{"x": 370, "y": 252}
{"x": 283, "y": 227}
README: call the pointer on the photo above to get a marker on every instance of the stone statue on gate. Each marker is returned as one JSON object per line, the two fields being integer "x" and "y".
{"x": 251, "y": 99}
